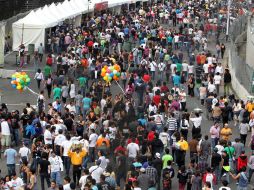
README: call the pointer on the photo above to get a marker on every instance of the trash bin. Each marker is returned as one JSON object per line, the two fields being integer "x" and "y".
{"x": 30, "y": 49}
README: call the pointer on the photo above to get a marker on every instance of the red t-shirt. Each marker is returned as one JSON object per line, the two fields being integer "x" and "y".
{"x": 150, "y": 136}
{"x": 156, "y": 99}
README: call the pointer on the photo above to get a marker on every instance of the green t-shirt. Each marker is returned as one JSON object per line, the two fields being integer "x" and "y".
{"x": 230, "y": 151}
{"x": 165, "y": 160}
{"x": 82, "y": 81}
{"x": 178, "y": 67}
{"x": 47, "y": 70}
{"x": 57, "y": 93}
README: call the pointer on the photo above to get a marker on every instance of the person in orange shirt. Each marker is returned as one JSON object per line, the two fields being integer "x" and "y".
{"x": 226, "y": 132}
{"x": 102, "y": 139}
{"x": 202, "y": 58}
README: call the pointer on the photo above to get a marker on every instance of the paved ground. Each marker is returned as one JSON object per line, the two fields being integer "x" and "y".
{"x": 17, "y": 100}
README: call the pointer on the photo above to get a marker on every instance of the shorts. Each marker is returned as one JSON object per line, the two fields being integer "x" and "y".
{"x": 6, "y": 140}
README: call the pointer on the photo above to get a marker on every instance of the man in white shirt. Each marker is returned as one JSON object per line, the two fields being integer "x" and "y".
{"x": 5, "y": 134}
{"x": 219, "y": 69}
{"x": 132, "y": 150}
{"x": 82, "y": 180}
{"x": 24, "y": 153}
{"x": 161, "y": 68}
{"x": 59, "y": 139}
{"x": 48, "y": 135}
{"x": 96, "y": 171}
{"x": 66, "y": 145}
{"x": 92, "y": 143}
{"x": 56, "y": 166}
{"x": 153, "y": 66}
{"x": 16, "y": 182}
{"x": 217, "y": 81}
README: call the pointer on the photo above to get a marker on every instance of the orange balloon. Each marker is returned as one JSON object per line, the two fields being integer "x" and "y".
{"x": 115, "y": 77}
{"x": 84, "y": 62}
{"x": 103, "y": 74}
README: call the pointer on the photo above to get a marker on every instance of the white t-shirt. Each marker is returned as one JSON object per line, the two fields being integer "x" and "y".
{"x": 217, "y": 79}
{"x": 184, "y": 67}
{"x": 190, "y": 69}
{"x": 92, "y": 139}
{"x": 220, "y": 148}
{"x": 82, "y": 181}
{"x": 5, "y": 129}
{"x": 16, "y": 184}
{"x": 67, "y": 187}
{"x": 210, "y": 60}
{"x": 205, "y": 67}
{"x": 133, "y": 149}
{"x": 24, "y": 151}
{"x": 211, "y": 87}
{"x": 96, "y": 172}
{"x": 66, "y": 146}
{"x": 47, "y": 135}
{"x": 59, "y": 139}
{"x": 56, "y": 163}
{"x": 152, "y": 66}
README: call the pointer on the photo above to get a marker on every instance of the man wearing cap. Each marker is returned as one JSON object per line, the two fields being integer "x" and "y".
{"x": 157, "y": 163}
{"x": 143, "y": 179}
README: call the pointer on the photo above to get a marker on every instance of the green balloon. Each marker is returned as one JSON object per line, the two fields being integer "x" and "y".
{"x": 22, "y": 82}
{"x": 118, "y": 74}
{"x": 28, "y": 80}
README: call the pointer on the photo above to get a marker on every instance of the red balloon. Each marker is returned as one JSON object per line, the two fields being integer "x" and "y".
{"x": 146, "y": 78}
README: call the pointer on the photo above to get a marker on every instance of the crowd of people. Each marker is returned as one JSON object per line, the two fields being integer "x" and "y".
{"x": 90, "y": 134}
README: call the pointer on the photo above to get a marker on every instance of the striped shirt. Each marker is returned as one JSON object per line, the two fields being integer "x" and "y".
{"x": 172, "y": 124}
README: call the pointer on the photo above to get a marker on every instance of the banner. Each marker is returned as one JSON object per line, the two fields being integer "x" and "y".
{"x": 101, "y": 6}
{"x": 2, "y": 43}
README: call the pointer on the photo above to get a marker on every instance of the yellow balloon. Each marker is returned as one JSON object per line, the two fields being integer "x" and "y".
{"x": 19, "y": 87}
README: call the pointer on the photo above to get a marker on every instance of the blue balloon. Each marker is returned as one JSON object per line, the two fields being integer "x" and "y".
{"x": 13, "y": 78}
{"x": 111, "y": 74}
{"x": 14, "y": 86}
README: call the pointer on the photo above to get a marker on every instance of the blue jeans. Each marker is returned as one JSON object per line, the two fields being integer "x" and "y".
{"x": 16, "y": 136}
{"x": 217, "y": 173}
{"x": 57, "y": 177}
{"x": 67, "y": 164}
{"x": 85, "y": 161}
{"x": 214, "y": 142}
{"x": 11, "y": 168}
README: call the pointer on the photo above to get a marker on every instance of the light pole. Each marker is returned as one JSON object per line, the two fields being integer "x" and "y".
{"x": 228, "y": 19}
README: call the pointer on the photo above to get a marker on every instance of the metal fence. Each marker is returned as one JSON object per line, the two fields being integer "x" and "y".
{"x": 243, "y": 72}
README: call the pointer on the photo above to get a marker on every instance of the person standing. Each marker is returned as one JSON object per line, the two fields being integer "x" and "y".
{"x": 222, "y": 50}
{"x": 227, "y": 81}
{"x": 39, "y": 77}
{"x": 66, "y": 144}
{"x": 215, "y": 134}
{"x": 244, "y": 127}
{"x": 76, "y": 156}
{"x": 57, "y": 92}
{"x": 44, "y": 170}
{"x": 251, "y": 166}
{"x": 40, "y": 52}
{"x": 5, "y": 133}
{"x": 56, "y": 166}
{"x": 10, "y": 154}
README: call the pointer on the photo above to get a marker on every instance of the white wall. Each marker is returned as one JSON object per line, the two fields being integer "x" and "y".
{"x": 250, "y": 44}
{"x": 2, "y": 43}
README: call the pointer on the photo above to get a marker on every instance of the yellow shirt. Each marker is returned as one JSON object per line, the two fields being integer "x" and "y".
{"x": 226, "y": 133}
{"x": 77, "y": 158}
{"x": 183, "y": 145}
{"x": 250, "y": 107}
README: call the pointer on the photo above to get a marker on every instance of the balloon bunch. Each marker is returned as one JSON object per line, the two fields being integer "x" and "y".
{"x": 19, "y": 80}
{"x": 111, "y": 72}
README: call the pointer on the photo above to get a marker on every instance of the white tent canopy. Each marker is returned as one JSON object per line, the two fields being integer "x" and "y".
{"x": 31, "y": 29}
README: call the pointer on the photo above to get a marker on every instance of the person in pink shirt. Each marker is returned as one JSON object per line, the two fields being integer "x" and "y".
{"x": 215, "y": 134}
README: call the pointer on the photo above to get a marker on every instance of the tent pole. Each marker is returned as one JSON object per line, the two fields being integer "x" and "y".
{"x": 22, "y": 36}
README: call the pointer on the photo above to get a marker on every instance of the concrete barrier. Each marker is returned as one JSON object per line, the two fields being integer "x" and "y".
{"x": 238, "y": 88}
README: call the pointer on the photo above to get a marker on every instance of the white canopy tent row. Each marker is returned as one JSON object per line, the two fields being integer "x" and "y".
{"x": 31, "y": 28}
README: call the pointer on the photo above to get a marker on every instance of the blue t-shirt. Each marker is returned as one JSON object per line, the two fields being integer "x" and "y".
{"x": 10, "y": 154}
{"x": 86, "y": 103}
{"x": 177, "y": 80}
